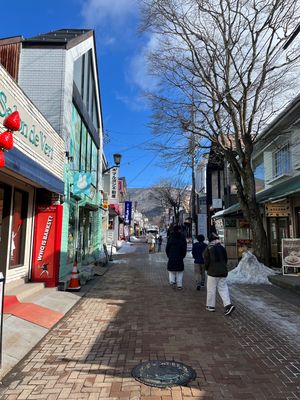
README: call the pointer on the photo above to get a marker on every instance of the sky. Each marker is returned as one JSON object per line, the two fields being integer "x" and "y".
{"x": 122, "y": 72}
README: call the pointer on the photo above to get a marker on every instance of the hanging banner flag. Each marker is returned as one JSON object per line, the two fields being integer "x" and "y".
{"x": 127, "y": 212}
{"x": 82, "y": 183}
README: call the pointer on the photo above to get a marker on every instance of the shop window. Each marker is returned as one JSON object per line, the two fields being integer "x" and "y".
{"x": 281, "y": 161}
{"x": 84, "y": 134}
{"x": 94, "y": 166}
{"x": 78, "y": 73}
{"x": 1, "y": 209}
{"x": 72, "y": 233}
{"x": 111, "y": 224}
{"x": 18, "y": 229}
{"x": 75, "y": 138}
{"x": 88, "y": 152}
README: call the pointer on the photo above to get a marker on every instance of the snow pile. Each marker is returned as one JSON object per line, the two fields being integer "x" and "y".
{"x": 126, "y": 248}
{"x": 249, "y": 270}
{"x": 134, "y": 239}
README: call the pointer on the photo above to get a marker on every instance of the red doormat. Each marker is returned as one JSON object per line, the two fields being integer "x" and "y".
{"x": 30, "y": 312}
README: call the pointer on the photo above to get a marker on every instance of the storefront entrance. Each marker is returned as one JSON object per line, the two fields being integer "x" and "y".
{"x": 15, "y": 215}
{"x": 278, "y": 229}
{"x": 5, "y": 199}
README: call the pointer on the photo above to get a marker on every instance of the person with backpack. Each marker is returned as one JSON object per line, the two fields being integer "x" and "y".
{"x": 176, "y": 251}
{"x": 215, "y": 261}
{"x": 199, "y": 268}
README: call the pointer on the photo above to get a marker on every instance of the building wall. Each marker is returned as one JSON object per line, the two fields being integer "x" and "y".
{"x": 11, "y": 96}
{"x": 45, "y": 89}
{"x": 291, "y": 138}
{"x": 54, "y": 96}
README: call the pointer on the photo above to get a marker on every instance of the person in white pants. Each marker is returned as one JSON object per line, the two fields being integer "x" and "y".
{"x": 215, "y": 261}
{"x": 176, "y": 251}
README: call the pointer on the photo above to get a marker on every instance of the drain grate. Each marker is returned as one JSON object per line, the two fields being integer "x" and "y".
{"x": 163, "y": 373}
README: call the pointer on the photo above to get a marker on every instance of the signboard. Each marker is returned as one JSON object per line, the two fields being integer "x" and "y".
{"x": 291, "y": 256}
{"x": 279, "y": 209}
{"x": 230, "y": 222}
{"x": 82, "y": 183}
{"x": 217, "y": 203}
{"x": 113, "y": 185}
{"x": 219, "y": 223}
{"x": 30, "y": 131}
{"x": 127, "y": 212}
{"x": 202, "y": 224}
{"x": 46, "y": 245}
{"x": 121, "y": 185}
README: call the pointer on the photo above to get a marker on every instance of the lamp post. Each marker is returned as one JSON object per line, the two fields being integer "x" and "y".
{"x": 117, "y": 161}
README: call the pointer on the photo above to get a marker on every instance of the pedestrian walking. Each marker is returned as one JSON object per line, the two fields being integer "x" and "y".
{"x": 176, "y": 251}
{"x": 215, "y": 260}
{"x": 151, "y": 242}
{"x": 199, "y": 268}
{"x": 159, "y": 243}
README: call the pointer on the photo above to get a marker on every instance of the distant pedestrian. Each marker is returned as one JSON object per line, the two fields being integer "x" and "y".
{"x": 199, "y": 268}
{"x": 215, "y": 260}
{"x": 176, "y": 251}
{"x": 151, "y": 242}
{"x": 159, "y": 242}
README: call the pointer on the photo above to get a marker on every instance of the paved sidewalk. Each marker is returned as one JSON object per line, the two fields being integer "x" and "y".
{"x": 132, "y": 315}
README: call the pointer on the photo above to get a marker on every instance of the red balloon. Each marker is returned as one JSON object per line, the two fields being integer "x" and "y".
{"x": 2, "y": 159}
{"x": 12, "y": 121}
{"x": 6, "y": 140}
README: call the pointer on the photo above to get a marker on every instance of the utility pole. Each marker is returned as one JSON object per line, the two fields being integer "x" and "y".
{"x": 193, "y": 158}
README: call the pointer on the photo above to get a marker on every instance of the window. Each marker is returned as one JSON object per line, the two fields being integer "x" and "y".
{"x": 281, "y": 161}
{"x": 78, "y": 68}
{"x": 82, "y": 147}
{"x": 18, "y": 230}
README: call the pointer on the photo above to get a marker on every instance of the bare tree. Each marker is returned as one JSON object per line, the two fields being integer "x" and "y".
{"x": 233, "y": 63}
{"x": 172, "y": 195}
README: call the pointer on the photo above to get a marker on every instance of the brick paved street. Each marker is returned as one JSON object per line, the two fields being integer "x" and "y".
{"x": 131, "y": 315}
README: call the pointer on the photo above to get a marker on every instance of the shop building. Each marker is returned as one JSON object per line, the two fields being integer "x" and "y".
{"x": 58, "y": 71}
{"x": 113, "y": 214}
{"x": 276, "y": 162}
{"x": 31, "y": 183}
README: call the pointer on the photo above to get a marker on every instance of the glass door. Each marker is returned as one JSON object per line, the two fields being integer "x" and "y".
{"x": 5, "y": 199}
{"x": 278, "y": 229}
{"x": 18, "y": 229}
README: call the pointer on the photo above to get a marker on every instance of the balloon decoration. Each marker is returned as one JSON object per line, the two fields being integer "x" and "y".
{"x": 12, "y": 123}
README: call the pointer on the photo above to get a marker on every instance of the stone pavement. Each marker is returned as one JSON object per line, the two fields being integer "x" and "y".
{"x": 132, "y": 315}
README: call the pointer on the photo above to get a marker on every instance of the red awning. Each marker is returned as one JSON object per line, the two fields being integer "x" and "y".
{"x": 115, "y": 207}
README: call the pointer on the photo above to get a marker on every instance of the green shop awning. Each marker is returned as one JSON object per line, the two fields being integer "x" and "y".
{"x": 276, "y": 192}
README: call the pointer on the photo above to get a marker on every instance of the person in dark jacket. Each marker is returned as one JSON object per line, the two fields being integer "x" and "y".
{"x": 199, "y": 268}
{"x": 215, "y": 260}
{"x": 176, "y": 251}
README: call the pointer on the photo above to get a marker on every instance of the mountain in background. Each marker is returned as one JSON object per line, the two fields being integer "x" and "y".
{"x": 145, "y": 202}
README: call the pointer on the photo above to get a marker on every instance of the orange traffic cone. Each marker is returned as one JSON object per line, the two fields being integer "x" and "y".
{"x": 74, "y": 285}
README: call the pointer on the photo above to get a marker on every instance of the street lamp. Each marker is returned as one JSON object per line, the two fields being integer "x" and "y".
{"x": 117, "y": 161}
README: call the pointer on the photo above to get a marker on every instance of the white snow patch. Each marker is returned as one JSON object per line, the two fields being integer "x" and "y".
{"x": 126, "y": 248}
{"x": 250, "y": 271}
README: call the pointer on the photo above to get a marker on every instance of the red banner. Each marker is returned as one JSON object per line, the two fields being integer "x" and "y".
{"x": 46, "y": 245}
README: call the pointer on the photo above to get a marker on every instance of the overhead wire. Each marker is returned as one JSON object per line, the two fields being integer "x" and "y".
{"x": 150, "y": 162}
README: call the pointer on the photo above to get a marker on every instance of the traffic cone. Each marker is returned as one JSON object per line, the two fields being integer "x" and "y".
{"x": 74, "y": 285}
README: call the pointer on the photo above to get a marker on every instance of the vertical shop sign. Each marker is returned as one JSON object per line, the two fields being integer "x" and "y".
{"x": 46, "y": 246}
{"x": 114, "y": 184}
{"x": 127, "y": 213}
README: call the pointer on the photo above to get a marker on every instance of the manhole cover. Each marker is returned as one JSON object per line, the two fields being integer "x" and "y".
{"x": 163, "y": 373}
